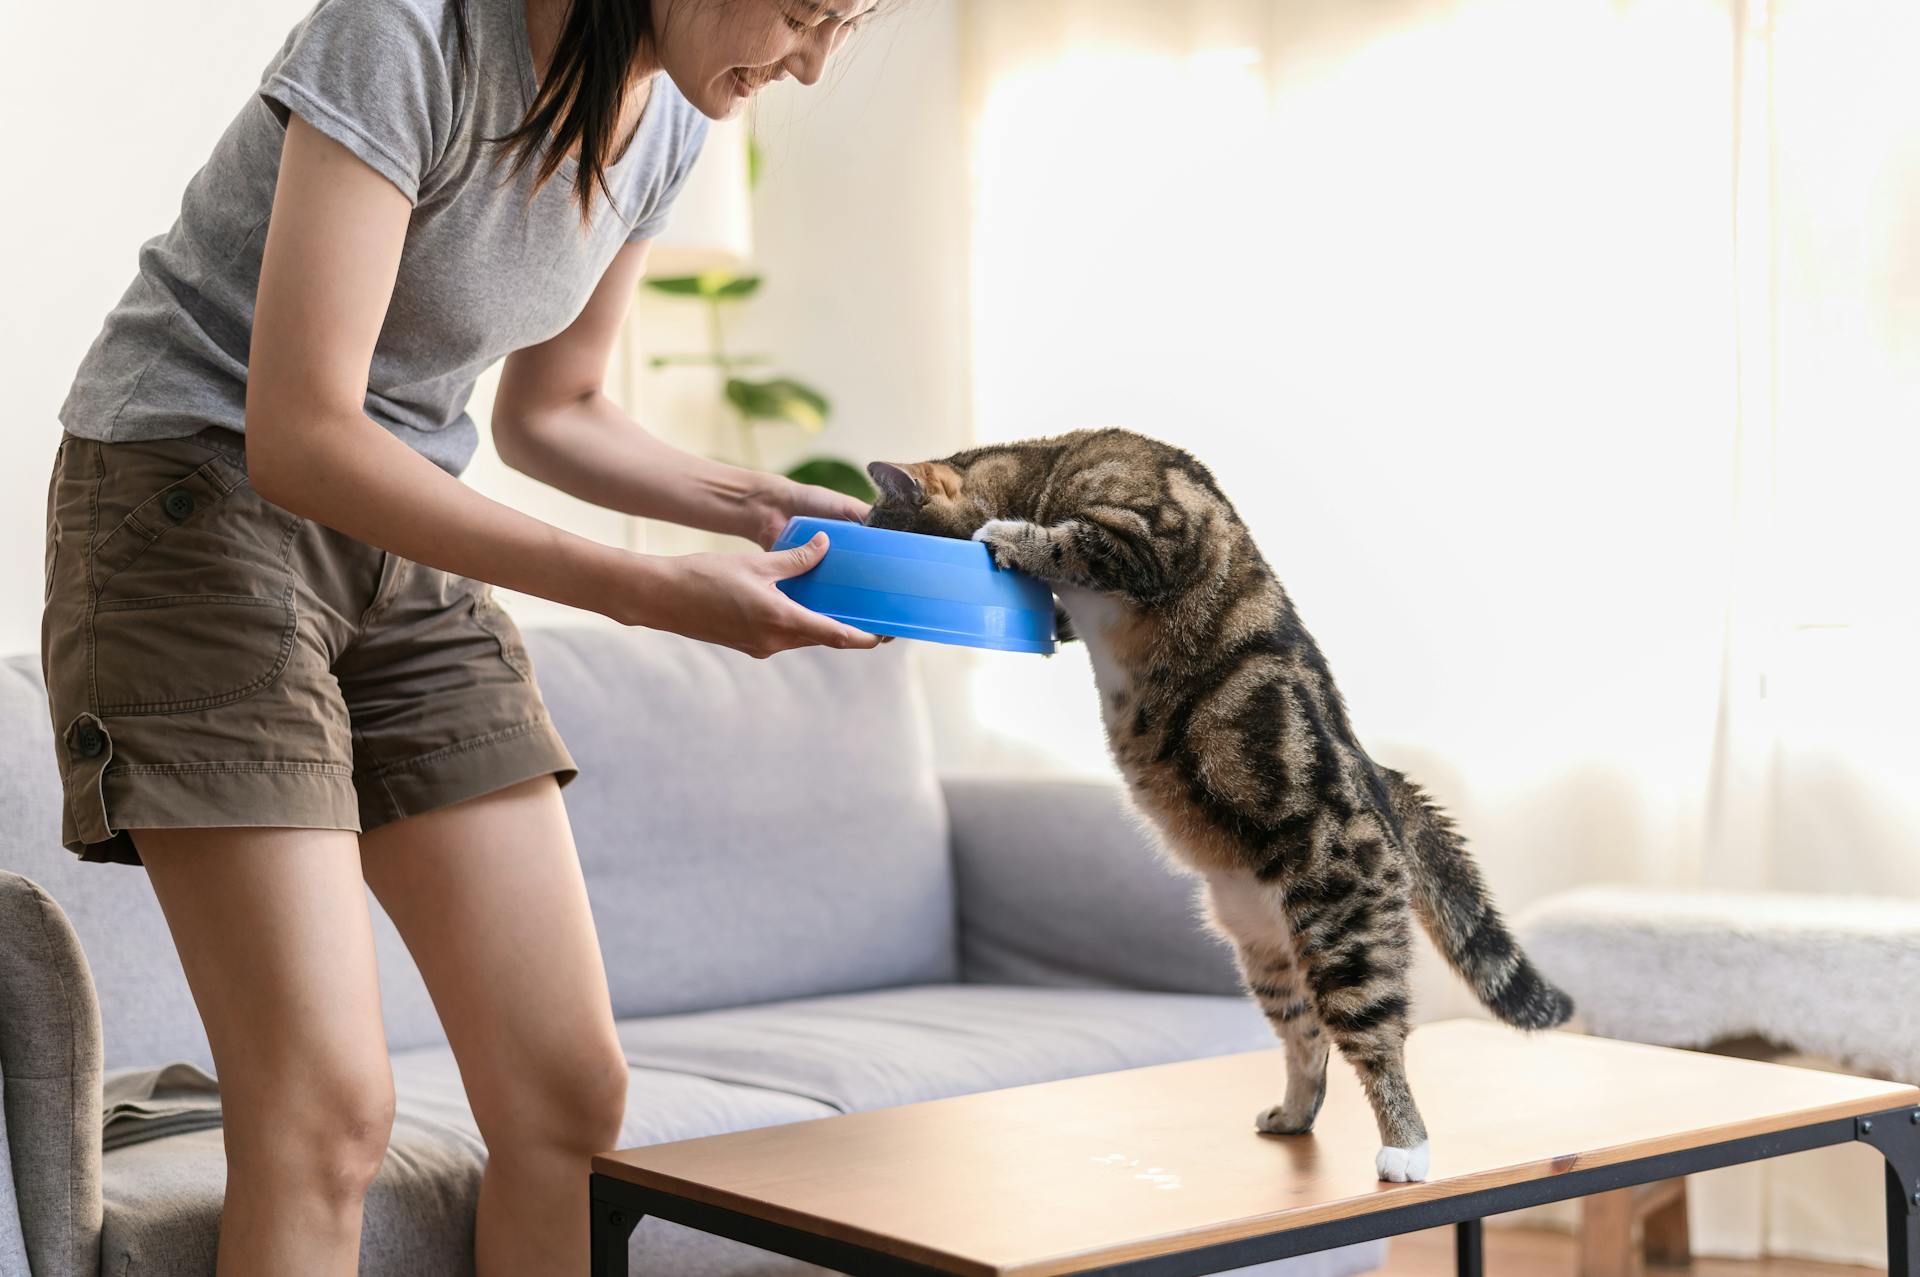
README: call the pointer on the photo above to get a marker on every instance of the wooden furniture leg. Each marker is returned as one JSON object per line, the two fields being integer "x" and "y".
{"x": 1606, "y": 1235}
{"x": 1614, "y": 1226}
{"x": 1667, "y": 1243}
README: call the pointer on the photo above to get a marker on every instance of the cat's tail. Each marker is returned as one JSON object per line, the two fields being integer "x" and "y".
{"x": 1453, "y": 905}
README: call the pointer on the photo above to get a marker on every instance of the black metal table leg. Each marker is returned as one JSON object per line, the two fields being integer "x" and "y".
{"x": 1897, "y": 1136}
{"x": 1468, "y": 1243}
{"x": 1903, "y": 1226}
{"x": 613, "y": 1225}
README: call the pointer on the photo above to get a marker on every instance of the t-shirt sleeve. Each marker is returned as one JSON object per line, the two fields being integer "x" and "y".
{"x": 374, "y": 76}
{"x": 692, "y": 139}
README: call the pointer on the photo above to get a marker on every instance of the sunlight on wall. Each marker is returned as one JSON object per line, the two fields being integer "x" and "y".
{"x": 1844, "y": 689}
{"x": 1441, "y": 294}
{"x": 1848, "y": 126}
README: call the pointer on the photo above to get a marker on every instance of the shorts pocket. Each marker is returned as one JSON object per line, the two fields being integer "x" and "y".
{"x": 192, "y": 601}
{"x": 488, "y": 615}
{"x": 172, "y": 653}
{"x": 174, "y": 504}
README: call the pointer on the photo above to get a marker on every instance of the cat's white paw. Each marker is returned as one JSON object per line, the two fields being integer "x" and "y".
{"x": 1279, "y": 1120}
{"x": 1403, "y": 1165}
{"x": 1001, "y": 535}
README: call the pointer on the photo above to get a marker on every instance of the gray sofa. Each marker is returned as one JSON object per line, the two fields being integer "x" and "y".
{"x": 799, "y": 918}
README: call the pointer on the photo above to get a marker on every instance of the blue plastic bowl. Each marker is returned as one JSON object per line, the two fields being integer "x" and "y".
{"x": 912, "y": 585}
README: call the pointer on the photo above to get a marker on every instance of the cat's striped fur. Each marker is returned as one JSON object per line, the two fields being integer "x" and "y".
{"x": 1235, "y": 744}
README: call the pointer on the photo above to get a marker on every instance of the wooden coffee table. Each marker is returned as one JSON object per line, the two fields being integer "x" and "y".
{"x": 1158, "y": 1172}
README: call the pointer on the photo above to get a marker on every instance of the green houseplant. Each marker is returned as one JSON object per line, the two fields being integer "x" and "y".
{"x": 767, "y": 401}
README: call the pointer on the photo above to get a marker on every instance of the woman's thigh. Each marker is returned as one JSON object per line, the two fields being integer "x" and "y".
{"x": 274, "y": 934}
{"x": 489, "y": 897}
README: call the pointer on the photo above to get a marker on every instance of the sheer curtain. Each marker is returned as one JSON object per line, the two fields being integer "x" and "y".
{"x": 1834, "y": 405}
{"x": 1564, "y": 357}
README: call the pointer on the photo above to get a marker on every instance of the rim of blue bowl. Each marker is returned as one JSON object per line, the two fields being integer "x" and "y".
{"x": 919, "y": 545}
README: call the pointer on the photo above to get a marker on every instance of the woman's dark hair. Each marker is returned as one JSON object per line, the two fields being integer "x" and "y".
{"x": 579, "y": 101}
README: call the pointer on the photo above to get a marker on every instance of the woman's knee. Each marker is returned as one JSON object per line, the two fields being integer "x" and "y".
{"x": 573, "y": 1102}
{"x": 589, "y": 1099}
{"x": 329, "y": 1133}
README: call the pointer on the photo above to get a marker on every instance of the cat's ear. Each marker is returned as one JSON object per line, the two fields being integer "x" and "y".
{"x": 897, "y": 483}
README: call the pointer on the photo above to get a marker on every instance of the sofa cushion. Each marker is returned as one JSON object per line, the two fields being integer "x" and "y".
{"x": 1043, "y": 868}
{"x": 897, "y": 1046}
{"x": 751, "y": 830}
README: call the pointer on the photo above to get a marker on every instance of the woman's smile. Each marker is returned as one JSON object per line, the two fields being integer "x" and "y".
{"x": 750, "y": 80}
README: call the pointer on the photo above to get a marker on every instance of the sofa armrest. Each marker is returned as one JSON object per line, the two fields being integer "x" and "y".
{"x": 13, "y": 1246}
{"x": 51, "y": 1061}
{"x": 1060, "y": 882}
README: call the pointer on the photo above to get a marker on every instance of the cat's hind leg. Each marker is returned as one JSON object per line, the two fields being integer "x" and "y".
{"x": 1249, "y": 913}
{"x": 1354, "y": 939}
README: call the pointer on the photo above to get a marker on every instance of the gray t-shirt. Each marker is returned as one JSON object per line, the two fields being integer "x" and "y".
{"x": 482, "y": 273}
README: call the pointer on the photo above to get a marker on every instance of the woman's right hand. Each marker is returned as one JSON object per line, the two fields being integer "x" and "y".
{"x": 731, "y": 600}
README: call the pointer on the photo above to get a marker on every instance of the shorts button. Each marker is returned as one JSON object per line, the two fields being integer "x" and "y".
{"x": 89, "y": 742}
{"x": 178, "y": 504}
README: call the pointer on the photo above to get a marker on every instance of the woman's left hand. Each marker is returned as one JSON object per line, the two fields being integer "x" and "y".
{"x": 779, "y": 498}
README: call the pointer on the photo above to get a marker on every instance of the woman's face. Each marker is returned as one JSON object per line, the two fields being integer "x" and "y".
{"x": 721, "y": 52}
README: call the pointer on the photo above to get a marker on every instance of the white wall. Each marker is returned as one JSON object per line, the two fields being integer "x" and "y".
{"x": 116, "y": 105}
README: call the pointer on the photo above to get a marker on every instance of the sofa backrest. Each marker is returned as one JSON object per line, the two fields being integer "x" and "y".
{"x": 749, "y": 831}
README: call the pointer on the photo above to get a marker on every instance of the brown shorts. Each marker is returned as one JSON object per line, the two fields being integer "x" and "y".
{"x": 212, "y": 660}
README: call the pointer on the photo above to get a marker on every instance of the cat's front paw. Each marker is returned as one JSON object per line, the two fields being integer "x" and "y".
{"x": 1403, "y": 1165}
{"x": 1008, "y": 540}
{"x": 1280, "y": 1120}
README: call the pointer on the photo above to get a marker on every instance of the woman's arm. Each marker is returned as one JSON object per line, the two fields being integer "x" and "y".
{"x": 553, "y": 421}
{"x": 326, "y": 278}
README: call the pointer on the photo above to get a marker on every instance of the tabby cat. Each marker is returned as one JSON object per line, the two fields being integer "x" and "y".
{"x": 1235, "y": 746}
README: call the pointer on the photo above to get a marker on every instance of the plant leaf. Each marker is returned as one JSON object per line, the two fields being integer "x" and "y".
{"x": 714, "y": 285}
{"x": 832, "y": 472}
{"x": 780, "y": 399}
{"x": 755, "y": 158}
{"x": 676, "y": 285}
{"x": 807, "y": 395}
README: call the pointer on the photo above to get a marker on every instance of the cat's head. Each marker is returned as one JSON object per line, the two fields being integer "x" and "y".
{"x": 952, "y": 497}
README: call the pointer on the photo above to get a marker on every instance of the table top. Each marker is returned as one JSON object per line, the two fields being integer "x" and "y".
{"x": 1057, "y": 1176}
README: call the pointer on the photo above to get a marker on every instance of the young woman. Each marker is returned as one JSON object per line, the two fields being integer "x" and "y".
{"x": 273, "y": 663}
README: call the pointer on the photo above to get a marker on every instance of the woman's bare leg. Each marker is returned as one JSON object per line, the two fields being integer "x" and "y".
{"x": 274, "y": 935}
{"x": 489, "y": 897}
